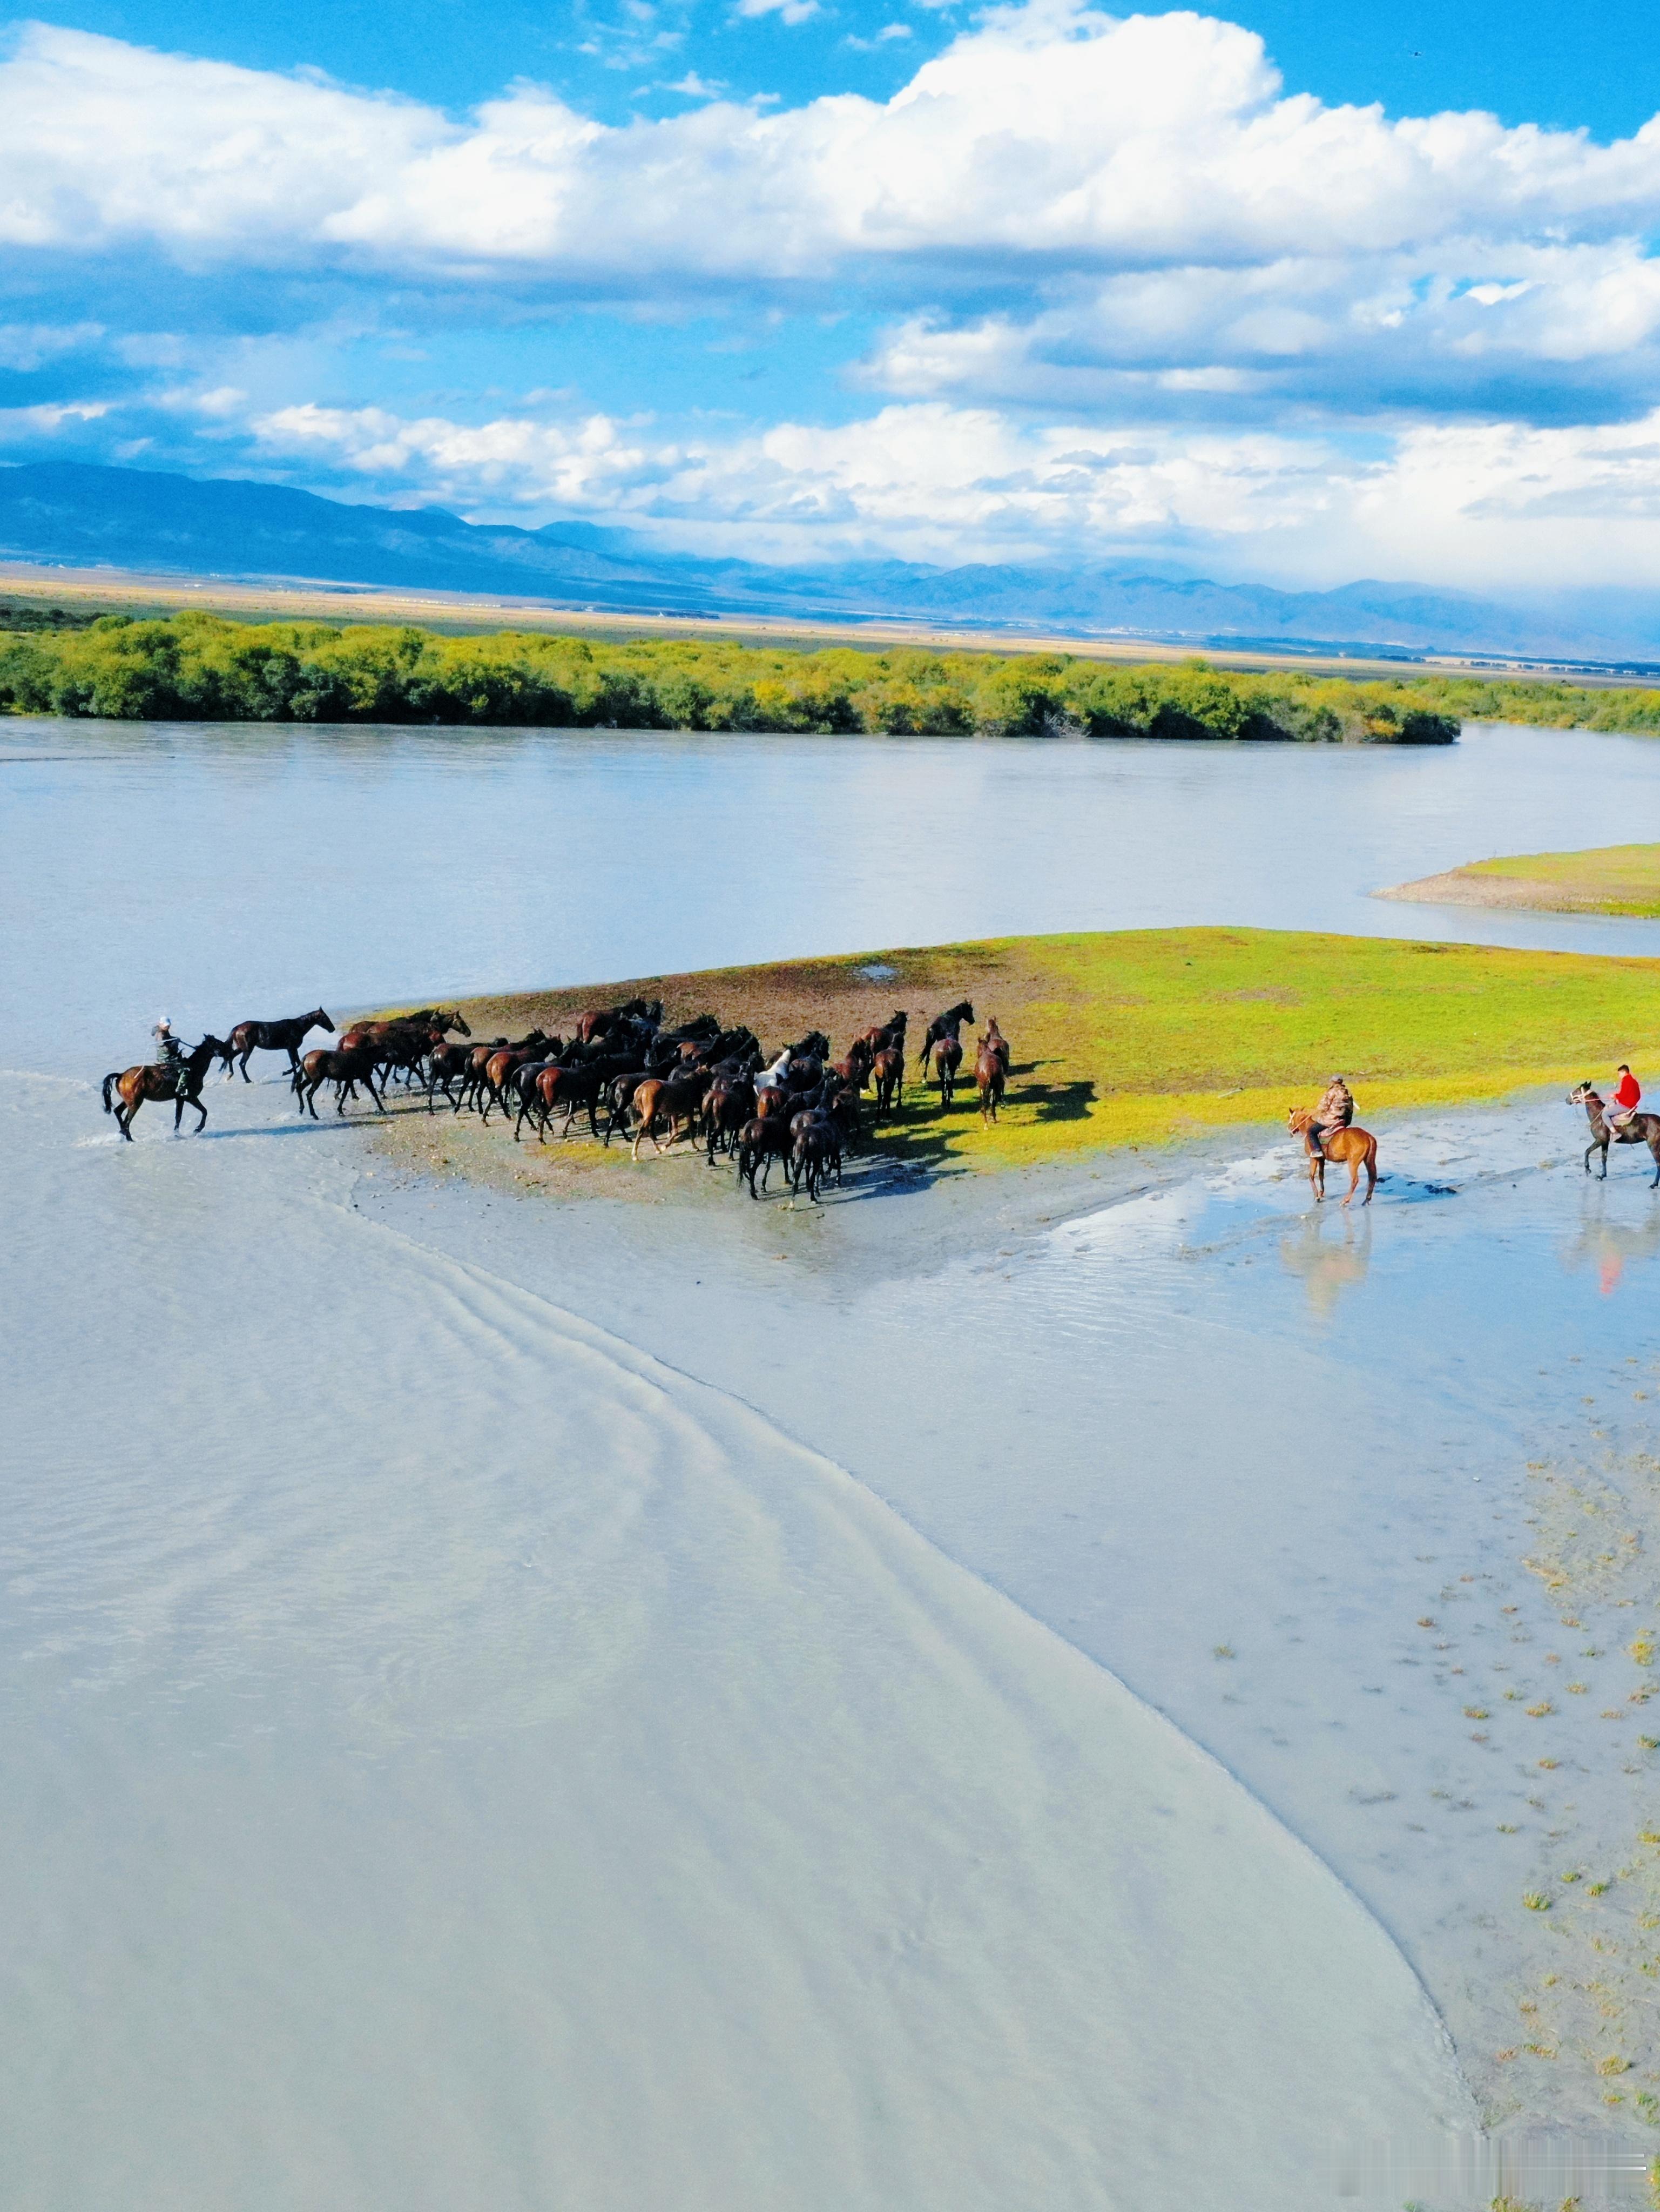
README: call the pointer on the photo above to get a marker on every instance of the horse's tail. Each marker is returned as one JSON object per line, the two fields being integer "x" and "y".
{"x": 114, "y": 1076}
{"x": 1372, "y": 1164}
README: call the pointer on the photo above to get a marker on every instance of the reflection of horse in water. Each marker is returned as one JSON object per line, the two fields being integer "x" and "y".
{"x": 1607, "y": 1246}
{"x": 1352, "y": 1148}
{"x": 1637, "y": 1129}
{"x": 1326, "y": 1266}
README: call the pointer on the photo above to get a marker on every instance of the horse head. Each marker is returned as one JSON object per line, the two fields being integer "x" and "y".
{"x": 1583, "y": 1094}
{"x": 1299, "y": 1120}
{"x": 321, "y": 1020}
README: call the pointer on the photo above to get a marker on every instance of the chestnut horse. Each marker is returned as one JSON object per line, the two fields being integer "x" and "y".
{"x": 1641, "y": 1129}
{"x": 991, "y": 1074}
{"x": 1352, "y": 1148}
{"x": 136, "y": 1085}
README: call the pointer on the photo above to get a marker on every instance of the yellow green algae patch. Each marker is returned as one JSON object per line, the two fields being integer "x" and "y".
{"x": 1141, "y": 1036}
{"x": 1614, "y": 879}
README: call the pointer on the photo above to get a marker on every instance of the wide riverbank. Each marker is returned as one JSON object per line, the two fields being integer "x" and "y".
{"x": 1140, "y": 1037}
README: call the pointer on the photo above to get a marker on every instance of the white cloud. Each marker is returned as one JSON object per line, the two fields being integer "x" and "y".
{"x": 25, "y": 346}
{"x": 1181, "y": 250}
{"x": 1469, "y": 504}
{"x": 1047, "y": 132}
{"x": 788, "y": 11}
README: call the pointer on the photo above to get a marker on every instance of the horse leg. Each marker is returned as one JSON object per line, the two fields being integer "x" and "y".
{"x": 195, "y": 1099}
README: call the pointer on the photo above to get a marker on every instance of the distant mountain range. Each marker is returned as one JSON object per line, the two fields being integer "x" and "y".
{"x": 79, "y": 515}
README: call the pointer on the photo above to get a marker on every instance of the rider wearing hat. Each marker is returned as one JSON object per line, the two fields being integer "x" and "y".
{"x": 1335, "y": 1111}
{"x": 172, "y": 1052}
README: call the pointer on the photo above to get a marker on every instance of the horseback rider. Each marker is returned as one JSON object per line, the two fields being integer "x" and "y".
{"x": 172, "y": 1054}
{"x": 1628, "y": 1095}
{"x": 1335, "y": 1111}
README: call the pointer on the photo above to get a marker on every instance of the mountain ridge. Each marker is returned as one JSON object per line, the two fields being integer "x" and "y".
{"x": 225, "y": 525}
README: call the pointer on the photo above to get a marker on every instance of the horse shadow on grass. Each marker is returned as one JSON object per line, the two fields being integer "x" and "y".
{"x": 1055, "y": 1102}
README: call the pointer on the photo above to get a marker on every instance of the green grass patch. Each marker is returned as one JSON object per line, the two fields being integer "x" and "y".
{"x": 1140, "y": 1037}
{"x": 1619, "y": 880}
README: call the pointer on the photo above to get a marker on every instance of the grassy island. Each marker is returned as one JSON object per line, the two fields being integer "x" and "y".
{"x": 1136, "y": 1037}
{"x": 1614, "y": 879}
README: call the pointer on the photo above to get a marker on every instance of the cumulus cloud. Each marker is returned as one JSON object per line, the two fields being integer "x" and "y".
{"x": 1192, "y": 266}
{"x": 1048, "y": 130}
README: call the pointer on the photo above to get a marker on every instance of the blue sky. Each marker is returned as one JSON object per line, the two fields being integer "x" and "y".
{"x": 1296, "y": 292}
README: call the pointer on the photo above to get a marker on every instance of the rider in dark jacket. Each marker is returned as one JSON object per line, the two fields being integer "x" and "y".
{"x": 171, "y": 1051}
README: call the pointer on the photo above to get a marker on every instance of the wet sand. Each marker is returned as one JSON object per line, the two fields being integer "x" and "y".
{"x": 534, "y": 1760}
{"x": 1300, "y": 1477}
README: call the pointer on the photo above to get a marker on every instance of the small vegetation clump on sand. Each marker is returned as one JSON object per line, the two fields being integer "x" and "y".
{"x": 197, "y": 666}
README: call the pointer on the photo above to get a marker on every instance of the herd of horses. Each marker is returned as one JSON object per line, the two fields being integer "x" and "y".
{"x": 697, "y": 1082}
{"x": 620, "y": 1069}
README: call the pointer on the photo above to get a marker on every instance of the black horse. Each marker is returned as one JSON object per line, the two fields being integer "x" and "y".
{"x": 948, "y": 1025}
{"x": 249, "y": 1037}
{"x": 1640, "y": 1129}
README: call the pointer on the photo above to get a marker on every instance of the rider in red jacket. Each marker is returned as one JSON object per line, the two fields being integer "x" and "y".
{"x": 1627, "y": 1094}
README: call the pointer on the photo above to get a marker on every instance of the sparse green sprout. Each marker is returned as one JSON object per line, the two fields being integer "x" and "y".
{"x": 1598, "y": 1888}
{"x": 1225, "y": 1651}
{"x": 1538, "y": 1712}
{"x": 1642, "y": 1648}
{"x": 1577, "y": 1689}
{"x": 1574, "y": 1876}
{"x": 1535, "y": 1900}
{"x": 1477, "y": 1713}
{"x": 1612, "y": 2065}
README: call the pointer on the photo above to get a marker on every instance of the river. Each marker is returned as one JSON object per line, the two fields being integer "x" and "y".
{"x": 514, "y": 1707}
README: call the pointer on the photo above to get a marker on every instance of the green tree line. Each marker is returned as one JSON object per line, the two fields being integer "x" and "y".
{"x": 201, "y": 667}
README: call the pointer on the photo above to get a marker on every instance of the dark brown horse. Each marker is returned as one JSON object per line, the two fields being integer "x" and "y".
{"x": 1352, "y": 1148}
{"x": 1640, "y": 1129}
{"x": 889, "y": 1069}
{"x": 344, "y": 1069}
{"x": 891, "y": 1037}
{"x": 249, "y": 1037}
{"x": 183, "y": 1085}
{"x": 948, "y": 1025}
{"x": 947, "y": 1054}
